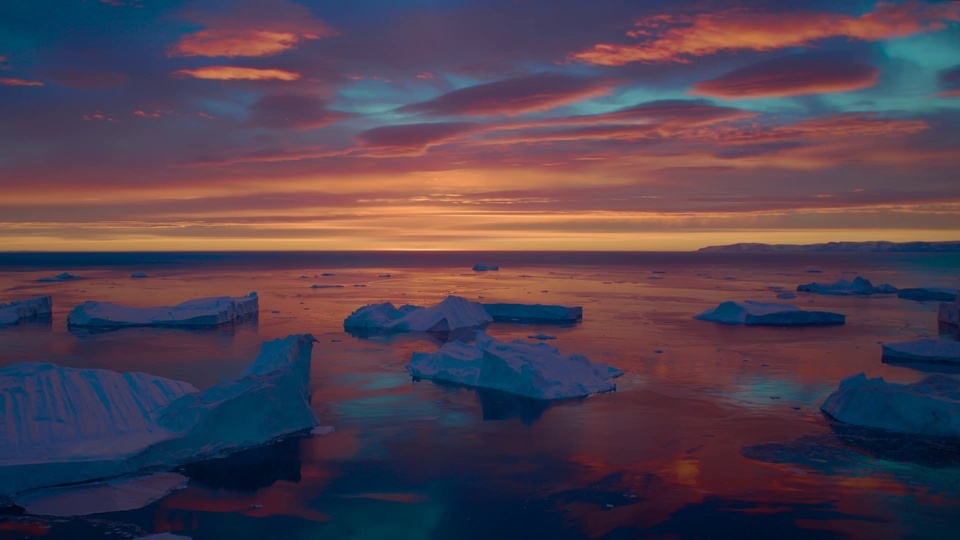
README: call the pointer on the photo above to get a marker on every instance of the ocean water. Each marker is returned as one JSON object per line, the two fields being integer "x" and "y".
{"x": 714, "y": 431}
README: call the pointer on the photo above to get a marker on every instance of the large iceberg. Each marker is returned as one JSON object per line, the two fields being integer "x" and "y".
{"x": 752, "y": 313}
{"x": 452, "y": 313}
{"x": 922, "y": 294}
{"x": 533, "y": 370}
{"x": 949, "y": 313}
{"x": 201, "y": 312}
{"x": 859, "y": 286}
{"x": 534, "y": 313}
{"x": 928, "y": 407}
{"x": 930, "y": 351}
{"x": 63, "y": 425}
{"x": 14, "y": 312}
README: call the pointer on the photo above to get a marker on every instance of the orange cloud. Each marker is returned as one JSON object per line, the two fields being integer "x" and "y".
{"x": 676, "y": 39}
{"x": 13, "y": 81}
{"x": 233, "y": 73}
{"x": 838, "y": 125}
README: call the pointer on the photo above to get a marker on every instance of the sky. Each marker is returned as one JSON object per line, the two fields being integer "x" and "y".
{"x": 476, "y": 124}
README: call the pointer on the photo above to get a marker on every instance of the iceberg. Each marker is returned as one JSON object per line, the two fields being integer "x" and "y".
{"x": 452, "y": 313}
{"x": 949, "y": 313}
{"x": 57, "y": 278}
{"x": 14, "y": 312}
{"x": 65, "y": 426}
{"x": 535, "y": 371}
{"x": 479, "y": 267}
{"x": 534, "y": 313}
{"x": 202, "y": 312}
{"x": 922, "y": 294}
{"x": 930, "y": 351}
{"x": 752, "y": 313}
{"x": 119, "y": 495}
{"x": 859, "y": 286}
{"x": 929, "y": 407}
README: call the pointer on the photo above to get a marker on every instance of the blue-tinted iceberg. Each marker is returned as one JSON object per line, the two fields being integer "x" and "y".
{"x": 922, "y": 294}
{"x": 929, "y": 407}
{"x": 930, "y": 351}
{"x": 859, "y": 286}
{"x": 116, "y": 495}
{"x": 64, "y": 425}
{"x": 14, "y": 312}
{"x": 202, "y": 312}
{"x": 534, "y": 313}
{"x": 57, "y": 278}
{"x": 752, "y": 313}
{"x": 532, "y": 370}
{"x": 479, "y": 267}
{"x": 452, "y": 313}
{"x": 949, "y": 313}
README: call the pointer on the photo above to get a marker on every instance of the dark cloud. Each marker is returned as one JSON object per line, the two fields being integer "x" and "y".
{"x": 292, "y": 111}
{"x": 414, "y": 135}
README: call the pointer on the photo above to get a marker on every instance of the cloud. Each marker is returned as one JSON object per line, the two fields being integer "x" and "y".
{"x": 292, "y": 111}
{"x": 677, "y": 39}
{"x": 688, "y": 112}
{"x": 251, "y": 28}
{"x": 13, "y": 81}
{"x": 233, "y": 73}
{"x": 511, "y": 97}
{"x": 414, "y": 136}
{"x": 794, "y": 75}
{"x": 950, "y": 82}
{"x": 858, "y": 125}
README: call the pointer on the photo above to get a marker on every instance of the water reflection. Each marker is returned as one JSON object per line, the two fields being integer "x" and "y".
{"x": 250, "y": 469}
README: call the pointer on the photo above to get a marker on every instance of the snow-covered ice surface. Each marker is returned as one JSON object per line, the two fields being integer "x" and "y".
{"x": 117, "y": 495}
{"x": 929, "y": 407}
{"x": 16, "y": 311}
{"x": 452, "y": 313}
{"x": 480, "y": 267}
{"x": 931, "y": 351}
{"x": 752, "y": 313}
{"x": 529, "y": 313}
{"x": 949, "y": 313}
{"x": 922, "y": 294}
{"x": 201, "y": 312}
{"x": 859, "y": 286}
{"x": 64, "y": 425}
{"x": 535, "y": 371}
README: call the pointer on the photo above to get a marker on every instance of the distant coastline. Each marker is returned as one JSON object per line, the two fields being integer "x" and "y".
{"x": 839, "y": 247}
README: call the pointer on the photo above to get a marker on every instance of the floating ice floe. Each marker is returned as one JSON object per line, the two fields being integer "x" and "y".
{"x": 949, "y": 313}
{"x": 533, "y": 370}
{"x": 859, "y": 286}
{"x": 534, "y": 313}
{"x": 16, "y": 311}
{"x": 326, "y": 286}
{"x": 200, "y": 312}
{"x": 928, "y": 407}
{"x": 117, "y": 495}
{"x": 479, "y": 267}
{"x": 752, "y": 313}
{"x": 542, "y": 337}
{"x": 930, "y": 351}
{"x": 59, "y": 277}
{"x": 452, "y": 313}
{"x": 921, "y": 294}
{"x": 139, "y": 275}
{"x": 65, "y": 426}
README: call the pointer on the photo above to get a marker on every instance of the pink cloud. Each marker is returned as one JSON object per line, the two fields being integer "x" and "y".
{"x": 233, "y": 73}
{"x": 14, "y": 81}
{"x": 414, "y": 136}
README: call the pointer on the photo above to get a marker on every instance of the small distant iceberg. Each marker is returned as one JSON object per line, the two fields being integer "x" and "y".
{"x": 139, "y": 275}
{"x": 752, "y": 313}
{"x": 57, "y": 278}
{"x": 68, "y": 426}
{"x": 859, "y": 286}
{"x": 535, "y": 371}
{"x": 786, "y": 295}
{"x": 929, "y": 407}
{"x": 480, "y": 267}
{"x": 451, "y": 314}
{"x": 202, "y": 312}
{"x": 534, "y": 313}
{"x": 928, "y": 351}
{"x": 923, "y": 294}
{"x": 326, "y": 286}
{"x": 949, "y": 314}
{"x": 22, "y": 310}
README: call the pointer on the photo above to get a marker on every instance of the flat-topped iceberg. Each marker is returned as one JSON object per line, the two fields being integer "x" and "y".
{"x": 534, "y": 313}
{"x": 532, "y": 370}
{"x": 64, "y": 426}
{"x": 929, "y": 407}
{"x": 200, "y": 312}
{"x": 930, "y": 351}
{"x": 949, "y": 313}
{"x": 480, "y": 267}
{"x": 752, "y": 313}
{"x": 922, "y": 294}
{"x": 57, "y": 278}
{"x": 452, "y": 313}
{"x": 859, "y": 286}
{"x": 16, "y": 311}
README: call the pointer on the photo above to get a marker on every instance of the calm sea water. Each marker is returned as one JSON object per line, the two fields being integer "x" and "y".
{"x": 714, "y": 431}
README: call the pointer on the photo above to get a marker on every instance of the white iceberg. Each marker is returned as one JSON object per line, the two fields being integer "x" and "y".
{"x": 535, "y": 371}
{"x": 14, "y": 312}
{"x": 949, "y": 313}
{"x": 118, "y": 495}
{"x": 752, "y": 313}
{"x": 452, "y": 313}
{"x": 533, "y": 313}
{"x": 922, "y": 294}
{"x": 930, "y": 351}
{"x": 200, "y": 312}
{"x": 57, "y": 278}
{"x": 64, "y": 426}
{"x": 859, "y": 286}
{"x": 929, "y": 407}
{"x": 479, "y": 267}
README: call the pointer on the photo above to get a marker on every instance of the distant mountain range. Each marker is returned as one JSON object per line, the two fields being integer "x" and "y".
{"x": 840, "y": 247}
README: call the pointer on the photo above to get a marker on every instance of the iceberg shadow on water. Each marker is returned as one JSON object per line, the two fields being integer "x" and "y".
{"x": 251, "y": 469}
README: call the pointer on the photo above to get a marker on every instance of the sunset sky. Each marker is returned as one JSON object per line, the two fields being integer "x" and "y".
{"x": 476, "y": 124}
